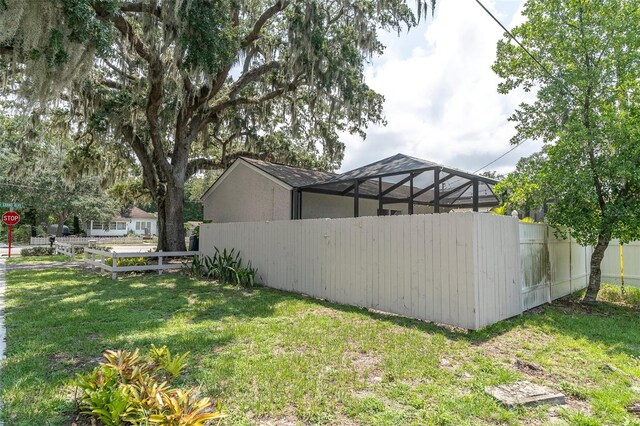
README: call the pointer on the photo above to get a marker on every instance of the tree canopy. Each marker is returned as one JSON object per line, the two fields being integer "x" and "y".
{"x": 188, "y": 85}
{"x": 587, "y": 113}
{"x": 35, "y": 174}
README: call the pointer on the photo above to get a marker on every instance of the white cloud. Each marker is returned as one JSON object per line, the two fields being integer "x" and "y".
{"x": 441, "y": 98}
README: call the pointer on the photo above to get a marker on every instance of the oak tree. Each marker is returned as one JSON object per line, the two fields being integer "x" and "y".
{"x": 188, "y": 85}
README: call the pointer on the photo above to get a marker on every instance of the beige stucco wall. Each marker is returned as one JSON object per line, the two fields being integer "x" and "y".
{"x": 246, "y": 195}
{"x": 318, "y": 206}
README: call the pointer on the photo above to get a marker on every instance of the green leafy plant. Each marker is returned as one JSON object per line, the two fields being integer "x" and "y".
{"x": 38, "y": 251}
{"x": 246, "y": 276}
{"x": 172, "y": 365}
{"x": 132, "y": 261}
{"x": 194, "y": 268}
{"x": 224, "y": 266}
{"x": 129, "y": 389}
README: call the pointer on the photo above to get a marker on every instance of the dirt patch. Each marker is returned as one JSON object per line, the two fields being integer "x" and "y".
{"x": 448, "y": 364}
{"x": 529, "y": 368}
{"x": 65, "y": 360}
{"x": 280, "y": 421}
{"x": 367, "y": 365}
{"x": 322, "y": 311}
{"x": 634, "y": 408}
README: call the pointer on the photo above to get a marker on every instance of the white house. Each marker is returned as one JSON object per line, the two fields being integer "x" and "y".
{"x": 133, "y": 220}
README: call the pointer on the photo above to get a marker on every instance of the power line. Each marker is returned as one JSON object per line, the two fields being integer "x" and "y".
{"x": 513, "y": 37}
{"x": 502, "y": 156}
{"x": 540, "y": 64}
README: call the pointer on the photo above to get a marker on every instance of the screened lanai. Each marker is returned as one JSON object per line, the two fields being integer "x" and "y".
{"x": 420, "y": 185}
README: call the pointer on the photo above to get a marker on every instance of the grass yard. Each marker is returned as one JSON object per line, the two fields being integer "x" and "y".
{"x": 278, "y": 358}
{"x": 20, "y": 260}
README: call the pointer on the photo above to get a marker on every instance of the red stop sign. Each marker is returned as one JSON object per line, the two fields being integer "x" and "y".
{"x": 11, "y": 218}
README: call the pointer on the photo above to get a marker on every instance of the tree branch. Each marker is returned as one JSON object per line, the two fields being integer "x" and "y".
{"x": 251, "y": 76}
{"x": 229, "y": 103}
{"x": 126, "y": 30}
{"x": 149, "y": 174}
{"x": 156, "y": 76}
{"x": 257, "y": 27}
{"x": 198, "y": 164}
{"x": 142, "y": 7}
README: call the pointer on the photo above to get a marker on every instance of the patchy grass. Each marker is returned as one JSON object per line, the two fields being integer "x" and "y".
{"x": 279, "y": 358}
{"x": 613, "y": 293}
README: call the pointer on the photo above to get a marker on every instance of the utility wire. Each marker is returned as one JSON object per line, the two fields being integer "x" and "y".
{"x": 510, "y": 34}
{"x": 540, "y": 64}
{"x": 502, "y": 156}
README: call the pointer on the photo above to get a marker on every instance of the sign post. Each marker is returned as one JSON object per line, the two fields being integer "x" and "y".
{"x": 10, "y": 218}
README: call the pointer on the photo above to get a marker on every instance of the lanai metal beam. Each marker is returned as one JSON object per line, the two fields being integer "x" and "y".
{"x": 356, "y": 198}
{"x": 456, "y": 189}
{"x": 410, "y": 193}
{"x": 432, "y": 186}
{"x": 475, "y": 194}
{"x": 436, "y": 191}
{"x": 396, "y": 185}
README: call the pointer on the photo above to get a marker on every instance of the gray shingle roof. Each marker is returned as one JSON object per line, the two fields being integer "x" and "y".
{"x": 294, "y": 176}
{"x": 395, "y": 164}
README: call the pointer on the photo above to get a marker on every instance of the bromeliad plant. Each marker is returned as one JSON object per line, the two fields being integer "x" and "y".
{"x": 129, "y": 389}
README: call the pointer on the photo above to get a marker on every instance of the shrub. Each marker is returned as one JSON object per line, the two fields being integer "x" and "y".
{"x": 129, "y": 389}
{"x": 225, "y": 266}
{"x": 21, "y": 234}
{"x": 132, "y": 261}
{"x": 38, "y": 251}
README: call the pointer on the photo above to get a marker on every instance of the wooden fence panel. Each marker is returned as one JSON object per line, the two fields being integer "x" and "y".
{"x": 420, "y": 266}
{"x": 496, "y": 254}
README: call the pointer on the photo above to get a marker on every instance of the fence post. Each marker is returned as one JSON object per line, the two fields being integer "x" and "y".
{"x": 114, "y": 274}
{"x": 102, "y": 263}
{"x": 160, "y": 262}
{"x": 93, "y": 262}
{"x": 84, "y": 260}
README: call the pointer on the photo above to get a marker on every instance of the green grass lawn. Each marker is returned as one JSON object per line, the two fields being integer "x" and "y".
{"x": 278, "y": 358}
{"x": 19, "y": 260}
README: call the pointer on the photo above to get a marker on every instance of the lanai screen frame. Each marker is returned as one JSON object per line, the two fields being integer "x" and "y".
{"x": 354, "y": 184}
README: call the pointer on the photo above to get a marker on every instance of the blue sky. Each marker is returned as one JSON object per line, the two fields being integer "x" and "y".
{"x": 441, "y": 95}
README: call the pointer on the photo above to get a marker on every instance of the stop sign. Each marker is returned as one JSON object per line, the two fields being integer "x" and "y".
{"x": 11, "y": 218}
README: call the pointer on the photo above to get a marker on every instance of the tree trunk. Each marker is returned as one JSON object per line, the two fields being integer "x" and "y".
{"x": 596, "y": 274}
{"x": 62, "y": 217}
{"x": 171, "y": 232}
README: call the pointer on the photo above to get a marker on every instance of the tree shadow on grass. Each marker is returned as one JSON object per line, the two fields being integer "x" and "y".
{"x": 60, "y": 321}
{"x": 83, "y": 314}
{"x": 613, "y": 325}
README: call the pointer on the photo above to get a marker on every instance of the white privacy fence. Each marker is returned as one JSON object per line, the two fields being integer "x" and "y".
{"x": 460, "y": 269}
{"x": 551, "y": 267}
{"x": 611, "y": 268}
{"x": 463, "y": 269}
